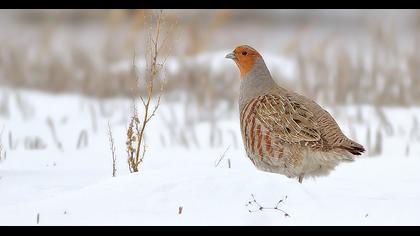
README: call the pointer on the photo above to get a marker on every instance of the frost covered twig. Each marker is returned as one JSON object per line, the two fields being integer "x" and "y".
{"x": 259, "y": 207}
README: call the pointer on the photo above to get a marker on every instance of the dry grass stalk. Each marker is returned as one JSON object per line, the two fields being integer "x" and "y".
{"x": 359, "y": 116}
{"x": 103, "y": 111}
{"x": 162, "y": 140}
{"x": 137, "y": 127}
{"x": 216, "y": 136}
{"x": 414, "y": 133}
{"x": 377, "y": 149}
{"x": 2, "y": 151}
{"x": 193, "y": 136}
{"x": 51, "y": 125}
{"x": 200, "y": 39}
{"x": 137, "y": 25}
{"x": 93, "y": 118}
{"x": 385, "y": 123}
{"x": 12, "y": 144}
{"x": 294, "y": 43}
{"x": 368, "y": 142}
{"x": 407, "y": 150}
{"x": 112, "y": 146}
{"x": 358, "y": 79}
{"x": 221, "y": 157}
{"x": 24, "y": 107}
{"x": 82, "y": 141}
{"x": 34, "y": 143}
{"x": 4, "y": 106}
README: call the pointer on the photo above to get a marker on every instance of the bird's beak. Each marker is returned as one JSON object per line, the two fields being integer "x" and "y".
{"x": 231, "y": 56}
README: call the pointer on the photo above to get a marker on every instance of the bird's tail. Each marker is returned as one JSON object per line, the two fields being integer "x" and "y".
{"x": 353, "y": 147}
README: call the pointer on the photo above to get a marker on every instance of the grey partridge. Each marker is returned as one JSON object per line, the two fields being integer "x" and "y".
{"x": 284, "y": 132}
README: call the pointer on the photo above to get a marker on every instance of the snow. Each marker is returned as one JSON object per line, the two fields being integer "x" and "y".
{"x": 75, "y": 187}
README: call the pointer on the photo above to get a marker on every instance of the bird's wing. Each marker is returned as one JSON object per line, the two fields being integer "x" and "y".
{"x": 288, "y": 119}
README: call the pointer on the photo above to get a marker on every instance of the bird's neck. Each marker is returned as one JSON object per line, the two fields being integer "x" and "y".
{"x": 256, "y": 82}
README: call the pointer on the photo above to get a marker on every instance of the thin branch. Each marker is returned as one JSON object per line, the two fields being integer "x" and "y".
{"x": 156, "y": 106}
{"x": 261, "y": 208}
{"x": 112, "y": 146}
{"x": 135, "y": 154}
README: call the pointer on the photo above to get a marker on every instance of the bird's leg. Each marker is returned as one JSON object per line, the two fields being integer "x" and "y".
{"x": 301, "y": 178}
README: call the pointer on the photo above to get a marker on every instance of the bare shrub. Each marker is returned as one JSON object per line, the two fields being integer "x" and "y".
{"x": 133, "y": 153}
{"x": 154, "y": 69}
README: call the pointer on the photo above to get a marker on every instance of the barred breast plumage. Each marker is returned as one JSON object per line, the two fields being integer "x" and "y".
{"x": 282, "y": 131}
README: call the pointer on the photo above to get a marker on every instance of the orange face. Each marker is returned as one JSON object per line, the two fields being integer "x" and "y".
{"x": 244, "y": 57}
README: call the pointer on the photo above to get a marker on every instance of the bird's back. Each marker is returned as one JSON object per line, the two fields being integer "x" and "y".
{"x": 330, "y": 132}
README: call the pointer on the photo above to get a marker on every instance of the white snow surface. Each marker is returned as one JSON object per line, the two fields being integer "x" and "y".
{"x": 75, "y": 187}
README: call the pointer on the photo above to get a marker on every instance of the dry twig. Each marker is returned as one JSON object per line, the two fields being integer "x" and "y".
{"x": 221, "y": 157}
{"x": 112, "y": 146}
{"x": 137, "y": 127}
{"x": 261, "y": 208}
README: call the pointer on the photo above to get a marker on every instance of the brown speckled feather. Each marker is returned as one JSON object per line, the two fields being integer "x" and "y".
{"x": 294, "y": 121}
{"x": 290, "y": 121}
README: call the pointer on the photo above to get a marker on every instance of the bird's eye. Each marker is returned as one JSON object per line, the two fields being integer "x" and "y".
{"x": 244, "y": 53}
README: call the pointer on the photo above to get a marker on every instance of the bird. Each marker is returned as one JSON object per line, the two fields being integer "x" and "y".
{"x": 283, "y": 131}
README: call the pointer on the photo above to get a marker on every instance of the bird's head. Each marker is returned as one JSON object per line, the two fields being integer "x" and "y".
{"x": 245, "y": 58}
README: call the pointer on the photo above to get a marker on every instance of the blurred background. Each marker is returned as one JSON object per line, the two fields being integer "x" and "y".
{"x": 74, "y": 50}
{"x": 360, "y": 61}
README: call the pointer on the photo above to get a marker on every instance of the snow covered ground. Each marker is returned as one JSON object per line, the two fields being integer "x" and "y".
{"x": 74, "y": 186}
